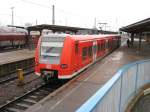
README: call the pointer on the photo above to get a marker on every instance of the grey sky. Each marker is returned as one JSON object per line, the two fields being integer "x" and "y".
{"x": 79, "y": 13}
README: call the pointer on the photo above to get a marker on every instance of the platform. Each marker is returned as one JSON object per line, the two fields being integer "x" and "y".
{"x": 72, "y": 96}
{"x": 8, "y": 57}
{"x": 10, "y": 62}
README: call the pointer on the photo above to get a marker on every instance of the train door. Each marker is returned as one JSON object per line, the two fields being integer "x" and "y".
{"x": 82, "y": 54}
{"x": 107, "y": 46}
{"x": 103, "y": 47}
{"x": 76, "y": 55}
{"x": 94, "y": 50}
{"x": 99, "y": 48}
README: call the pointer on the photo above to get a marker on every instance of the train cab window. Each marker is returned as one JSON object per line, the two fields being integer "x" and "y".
{"x": 84, "y": 53}
{"x": 90, "y": 51}
{"x": 50, "y": 52}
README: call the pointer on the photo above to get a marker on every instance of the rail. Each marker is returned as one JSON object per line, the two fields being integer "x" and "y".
{"x": 116, "y": 94}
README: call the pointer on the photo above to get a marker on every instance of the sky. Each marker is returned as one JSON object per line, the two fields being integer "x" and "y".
{"x": 77, "y": 13}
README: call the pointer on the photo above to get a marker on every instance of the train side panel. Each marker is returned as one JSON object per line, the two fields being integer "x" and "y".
{"x": 68, "y": 59}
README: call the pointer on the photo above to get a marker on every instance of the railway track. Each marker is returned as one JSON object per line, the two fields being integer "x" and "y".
{"x": 8, "y": 79}
{"x": 28, "y": 99}
{"x": 10, "y": 50}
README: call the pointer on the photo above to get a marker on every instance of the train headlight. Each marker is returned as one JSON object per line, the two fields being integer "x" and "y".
{"x": 63, "y": 66}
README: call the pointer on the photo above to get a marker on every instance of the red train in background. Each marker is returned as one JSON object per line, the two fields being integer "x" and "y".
{"x": 11, "y": 37}
{"x": 61, "y": 56}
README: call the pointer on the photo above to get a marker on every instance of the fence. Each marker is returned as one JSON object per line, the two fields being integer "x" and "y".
{"x": 116, "y": 94}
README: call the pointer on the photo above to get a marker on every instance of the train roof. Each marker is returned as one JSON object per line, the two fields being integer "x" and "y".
{"x": 4, "y": 30}
{"x": 90, "y": 37}
{"x": 80, "y": 37}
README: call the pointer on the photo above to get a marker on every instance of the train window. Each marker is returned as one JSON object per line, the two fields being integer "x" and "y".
{"x": 84, "y": 53}
{"x": 95, "y": 49}
{"x": 48, "y": 50}
{"x": 107, "y": 44}
{"x": 90, "y": 51}
{"x": 102, "y": 46}
{"x": 110, "y": 44}
{"x": 76, "y": 48}
{"x": 99, "y": 47}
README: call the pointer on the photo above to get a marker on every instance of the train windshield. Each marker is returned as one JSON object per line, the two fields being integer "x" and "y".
{"x": 51, "y": 51}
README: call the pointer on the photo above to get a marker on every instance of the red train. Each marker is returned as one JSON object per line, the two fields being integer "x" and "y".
{"x": 60, "y": 56}
{"x": 11, "y": 37}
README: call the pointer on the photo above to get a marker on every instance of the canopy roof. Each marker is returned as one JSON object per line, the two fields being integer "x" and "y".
{"x": 56, "y": 28}
{"x": 138, "y": 27}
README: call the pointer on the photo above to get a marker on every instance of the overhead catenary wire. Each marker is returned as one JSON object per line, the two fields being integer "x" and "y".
{"x": 67, "y": 17}
{"x": 58, "y": 9}
{"x": 37, "y": 4}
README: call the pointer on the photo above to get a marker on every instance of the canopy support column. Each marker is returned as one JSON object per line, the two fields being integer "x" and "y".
{"x": 132, "y": 38}
{"x": 140, "y": 41}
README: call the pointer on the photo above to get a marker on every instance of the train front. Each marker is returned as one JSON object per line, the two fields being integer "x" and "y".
{"x": 48, "y": 56}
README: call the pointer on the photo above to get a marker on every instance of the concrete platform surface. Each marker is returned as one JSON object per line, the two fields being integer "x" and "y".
{"x": 13, "y": 56}
{"x": 71, "y": 97}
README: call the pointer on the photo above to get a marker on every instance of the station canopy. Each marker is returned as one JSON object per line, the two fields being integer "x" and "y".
{"x": 138, "y": 27}
{"x": 56, "y": 28}
{"x": 65, "y": 29}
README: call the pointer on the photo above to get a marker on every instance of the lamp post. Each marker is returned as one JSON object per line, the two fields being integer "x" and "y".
{"x": 12, "y": 16}
{"x": 53, "y": 15}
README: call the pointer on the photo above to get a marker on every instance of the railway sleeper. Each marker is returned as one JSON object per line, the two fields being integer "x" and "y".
{"x": 23, "y": 105}
{"x": 38, "y": 95}
{"x": 30, "y": 101}
{"x": 32, "y": 98}
{"x": 15, "y": 105}
{"x": 26, "y": 102}
{"x": 12, "y": 110}
{"x": 44, "y": 91}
